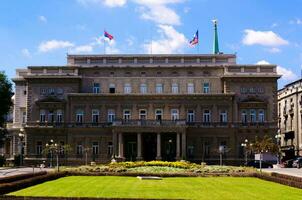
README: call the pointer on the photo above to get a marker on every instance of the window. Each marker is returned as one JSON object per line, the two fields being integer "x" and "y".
{"x": 190, "y": 116}
{"x": 243, "y": 116}
{"x": 95, "y": 148}
{"x": 79, "y": 149}
{"x": 51, "y": 91}
{"x": 127, "y": 88}
{"x": 24, "y": 92}
{"x": 142, "y": 114}
{"x": 51, "y": 117}
{"x": 223, "y": 116}
{"x": 174, "y": 114}
{"x": 24, "y": 117}
{"x": 111, "y": 115}
{"x": 43, "y": 91}
{"x": 159, "y": 88}
{"x": 111, "y": 88}
{"x": 127, "y": 115}
{"x": 96, "y": 88}
{"x": 253, "y": 115}
{"x": 190, "y": 88}
{"x": 95, "y": 116}
{"x": 60, "y": 91}
{"x": 39, "y": 148}
{"x": 206, "y": 116}
{"x": 110, "y": 149}
{"x": 59, "y": 116}
{"x": 79, "y": 116}
{"x": 206, "y": 88}
{"x": 261, "y": 115}
{"x": 158, "y": 114}
{"x": 175, "y": 88}
{"x": 143, "y": 88}
{"x": 42, "y": 116}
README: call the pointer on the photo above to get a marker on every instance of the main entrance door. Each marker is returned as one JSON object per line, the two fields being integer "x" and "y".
{"x": 130, "y": 147}
{"x": 149, "y": 146}
{"x": 169, "y": 146}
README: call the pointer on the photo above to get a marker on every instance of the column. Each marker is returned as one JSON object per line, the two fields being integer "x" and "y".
{"x": 183, "y": 146}
{"x": 139, "y": 146}
{"x": 114, "y": 143}
{"x": 158, "y": 152}
{"x": 121, "y": 145}
{"x": 178, "y": 146}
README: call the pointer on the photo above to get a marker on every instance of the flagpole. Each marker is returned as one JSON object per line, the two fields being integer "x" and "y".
{"x": 198, "y": 41}
{"x": 104, "y": 42}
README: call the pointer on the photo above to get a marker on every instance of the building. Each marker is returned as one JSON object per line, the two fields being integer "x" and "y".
{"x": 290, "y": 119}
{"x": 144, "y": 107}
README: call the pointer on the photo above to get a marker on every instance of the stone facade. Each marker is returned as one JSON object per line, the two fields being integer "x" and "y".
{"x": 145, "y": 107}
{"x": 290, "y": 119}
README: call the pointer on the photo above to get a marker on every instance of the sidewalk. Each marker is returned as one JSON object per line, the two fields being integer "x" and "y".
{"x": 17, "y": 171}
{"x": 287, "y": 171}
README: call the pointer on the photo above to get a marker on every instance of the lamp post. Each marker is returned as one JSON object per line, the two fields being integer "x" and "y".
{"x": 21, "y": 136}
{"x": 244, "y": 145}
{"x": 278, "y": 138}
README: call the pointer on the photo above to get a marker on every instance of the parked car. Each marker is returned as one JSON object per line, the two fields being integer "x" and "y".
{"x": 297, "y": 162}
{"x": 288, "y": 163}
{"x": 256, "y": 164}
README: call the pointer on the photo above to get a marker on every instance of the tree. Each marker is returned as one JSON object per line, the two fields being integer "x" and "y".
{"x": 266, "y": 144}
{"x": 6, "y": 94}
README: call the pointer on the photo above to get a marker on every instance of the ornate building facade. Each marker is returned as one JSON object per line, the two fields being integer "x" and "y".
{"x": 143, "y": 107}
{"x": 290, "y": 119}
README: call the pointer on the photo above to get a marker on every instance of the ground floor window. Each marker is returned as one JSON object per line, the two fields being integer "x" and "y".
{"x": 39, "y": 148}
{"x": 79, "y": 149}
{"x": 95, "y": 148}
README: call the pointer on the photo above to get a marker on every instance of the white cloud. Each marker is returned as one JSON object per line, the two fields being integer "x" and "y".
{"x": 109, "y": 3}
{"x": 42, "y": 18}
{"x": 296, "y": 21}
{"x": 274, "y": 25}
{"x": 53, "y": 45}
{"x": 82, "y": 49}
{"x": 264, "y": 38}
{"x": 25, "y": 52}
{"x": 187, "y": 9}
{"x": 171, "y": 41}
{"x": 158, "y": 11}
{"x": 130, "y": 41}
{"x": 287, "y": 74}
{"x": 274, "y": 50}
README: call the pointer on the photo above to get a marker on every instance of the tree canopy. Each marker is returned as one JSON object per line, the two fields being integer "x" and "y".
{"x": 6, "y": 93}
{"x": 265, "y": 144}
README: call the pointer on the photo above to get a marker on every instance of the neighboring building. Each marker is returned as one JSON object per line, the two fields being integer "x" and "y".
{"x": 148, "y": 107}
{"x": 290, "y": 119}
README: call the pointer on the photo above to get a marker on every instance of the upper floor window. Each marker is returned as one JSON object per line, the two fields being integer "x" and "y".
{"x": 174, "y": 114}
{"x": 127, "y": 88}
{"x": 261, "y": 115}
{"x": 51, "y": 91}
{"x": 42, "y": 116}
{"x": 223, "y": 116}
{"x": 159, "y": 88}
{"x": 158, "y": 114}
{"x": 190, "y": 88}
{"x": 79, "y": 116}
{"x": 96, "y": 88}
{"x": 253, "y": 115}
{"x": 190, "y": 116}
{"x": 175, "y": 88}
{"x": 206, "y": 116}
{"x": 59, "y": 116}
{"x": 127, "y": 115}
{"x": 23, "y": 117}
{"x": 206, "y": 87}
{"x": 112, "y": 88}
{"x": 51, "y": 117}
{"x": 143, "y": 114}
{"x": 111, "y": 115}
{"x": 243, "y": 116}
{"x": 95, "y": 116}
{"x": 143, "y": 88}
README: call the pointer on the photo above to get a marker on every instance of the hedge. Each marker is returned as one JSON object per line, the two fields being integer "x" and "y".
{"x": 20, "y": 177}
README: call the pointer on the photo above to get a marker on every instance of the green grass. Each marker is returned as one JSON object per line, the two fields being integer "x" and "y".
{"x": 185, "y": 188}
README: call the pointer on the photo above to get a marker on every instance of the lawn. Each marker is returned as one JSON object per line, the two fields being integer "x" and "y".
{"x": 173, "y": 188}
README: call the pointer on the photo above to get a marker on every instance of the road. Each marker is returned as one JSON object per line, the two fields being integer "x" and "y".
{"x": 288, "y": 171}
{"x": 5, "y": 172}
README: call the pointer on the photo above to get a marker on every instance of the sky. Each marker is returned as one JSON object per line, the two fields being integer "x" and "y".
{"x": 35, "y": 32}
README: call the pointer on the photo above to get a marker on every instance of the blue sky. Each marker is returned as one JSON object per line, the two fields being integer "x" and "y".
{"x": 35, "y": 32}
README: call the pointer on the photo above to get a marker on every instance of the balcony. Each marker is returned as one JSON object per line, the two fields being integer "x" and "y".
{"x": 232, "y": 124}
{"x": 149, "y": 123}
{"x": 67, "y": 125}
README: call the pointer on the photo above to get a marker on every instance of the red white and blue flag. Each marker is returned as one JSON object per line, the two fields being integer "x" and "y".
{"x": 195, "y": 39}
{"x": 107, "y": 35}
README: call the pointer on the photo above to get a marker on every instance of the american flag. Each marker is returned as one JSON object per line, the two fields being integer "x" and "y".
{"x": 194, "y": 41}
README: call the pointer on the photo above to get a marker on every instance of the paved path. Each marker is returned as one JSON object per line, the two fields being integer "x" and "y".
{"x": 23, "y": 170}
{"x": 288, "y": 171}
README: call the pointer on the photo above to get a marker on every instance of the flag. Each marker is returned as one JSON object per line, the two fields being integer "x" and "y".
{"x": 107, "y": 35}
{"x": 194, "y": 41}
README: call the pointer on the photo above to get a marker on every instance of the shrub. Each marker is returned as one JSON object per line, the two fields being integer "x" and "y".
{"x": 2, "y": 161}
{"x": 17, "y": 160}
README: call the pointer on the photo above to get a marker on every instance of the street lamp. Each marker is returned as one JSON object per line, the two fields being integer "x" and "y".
{"x": 278, "y": 138}
{"x": 244, "y": 145}
{"x": 21, "y": 136}
{"x": 53, "y": 148}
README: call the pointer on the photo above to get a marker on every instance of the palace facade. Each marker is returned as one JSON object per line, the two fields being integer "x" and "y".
{"x": 143, "y": 107}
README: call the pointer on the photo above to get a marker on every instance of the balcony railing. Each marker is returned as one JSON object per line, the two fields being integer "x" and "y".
{"x": 154, "y": 123}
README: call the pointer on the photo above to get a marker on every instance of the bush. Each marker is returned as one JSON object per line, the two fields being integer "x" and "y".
{"x": 2, "y": 161}
{"x": 20, "y": 177}
{"x": 17, "y": 160}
